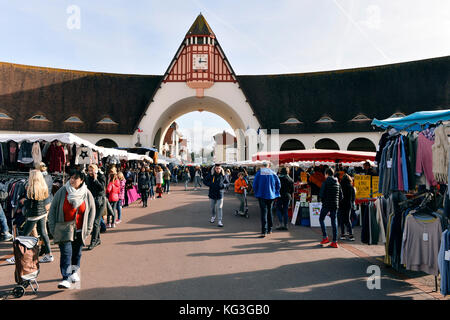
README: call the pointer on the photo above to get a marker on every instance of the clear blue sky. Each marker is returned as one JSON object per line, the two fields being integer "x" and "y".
{"x": 258, "y": 36}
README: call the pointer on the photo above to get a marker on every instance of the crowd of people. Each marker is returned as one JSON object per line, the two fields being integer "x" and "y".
{"x": 91, "y": 202}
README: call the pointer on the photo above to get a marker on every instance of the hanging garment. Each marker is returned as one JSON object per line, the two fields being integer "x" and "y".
{"x": 412, "y": 154}
{"x": 13, "y": 146}
{"x": 83, "y": 155}
{"x": 443, "y": 264}
{"x": 440, "y": 150}
{"x": 56, "y": 158}
{"x": 394, "y": 176}
{"x": 381, "y": 144}
{"x": 424, "y": 161}
{"x": 387, "y": 257}
{"x": 404, "y": 164}
{"x": 399, "y": 164}
{"x": 25, "y": 156}
{"x": 36, "y": 153}
{"x": 420, "y": 245}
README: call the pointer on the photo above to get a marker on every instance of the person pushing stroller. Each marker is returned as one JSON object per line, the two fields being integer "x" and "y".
{"x": 240, "y": 188}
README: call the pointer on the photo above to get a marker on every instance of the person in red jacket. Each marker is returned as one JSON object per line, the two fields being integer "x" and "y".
{"x": 113, "y": 191}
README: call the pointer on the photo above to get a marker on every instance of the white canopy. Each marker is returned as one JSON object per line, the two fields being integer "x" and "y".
{"x": 70, "y": 138}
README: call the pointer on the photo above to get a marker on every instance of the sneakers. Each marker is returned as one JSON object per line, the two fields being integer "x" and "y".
{"x": 94, "y": 244}
{"x": 74, "y": 277}
{"x": 220, "y": 224}
{"x": 118, "y": 221}
{"x": 343, "y": 237}
{"x": 212, "y": 219}
{"x": 65, "y": 284}
{"x": 11, "y": 260}
{"x": 325, "y": 241}
{"x": 334, "y": 245}
{"x": 113, "y": 225}
{"x": 8, "y": 237}
{"x": 108, "y": 225}
{"x": 263, "y": 235}
{"x": 46, "y": 258}
{"x": 351, "y": 238}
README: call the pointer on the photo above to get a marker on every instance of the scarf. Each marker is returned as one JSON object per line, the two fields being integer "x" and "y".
{"x": 76, "y": 196}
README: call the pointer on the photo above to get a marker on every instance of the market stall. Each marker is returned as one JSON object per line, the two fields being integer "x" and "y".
{"x": 413, "y": 169}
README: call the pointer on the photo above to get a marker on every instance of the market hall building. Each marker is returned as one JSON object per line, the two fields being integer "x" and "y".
{"x": 322, "y": 110}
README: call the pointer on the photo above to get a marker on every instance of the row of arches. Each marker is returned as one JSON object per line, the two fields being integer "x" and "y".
{"x": 359, "y": 144}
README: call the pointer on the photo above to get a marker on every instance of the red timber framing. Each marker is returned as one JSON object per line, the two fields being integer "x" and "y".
{"x": 181, "y": 69}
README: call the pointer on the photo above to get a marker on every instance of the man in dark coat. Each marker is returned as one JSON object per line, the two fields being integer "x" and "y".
{"x": 96, "y": 183}
{"x": 331, "y": 195}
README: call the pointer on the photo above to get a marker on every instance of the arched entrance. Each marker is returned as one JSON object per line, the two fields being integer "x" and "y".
{"x": 107, "y": 143}
{"x": 292, "y": 144}
{"x": 160, "y": 127}
{"x": 327, "y": 144}
{"x": 362, "y": 144}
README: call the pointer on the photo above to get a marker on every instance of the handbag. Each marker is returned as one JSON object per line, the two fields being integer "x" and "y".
{"x": 65, "y": 231}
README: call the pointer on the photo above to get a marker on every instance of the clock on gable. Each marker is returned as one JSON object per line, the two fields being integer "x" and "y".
{"x": 200, "y": 61}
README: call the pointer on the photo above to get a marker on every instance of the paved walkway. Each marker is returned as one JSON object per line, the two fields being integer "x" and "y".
{"x": 171, "y": 251}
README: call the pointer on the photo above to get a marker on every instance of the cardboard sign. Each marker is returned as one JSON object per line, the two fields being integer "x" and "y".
{"x": 362, "y": 185}
{"x": 294, "y": 215}
{"x": 375, "y": 181}
{"x": 303, "y": 177}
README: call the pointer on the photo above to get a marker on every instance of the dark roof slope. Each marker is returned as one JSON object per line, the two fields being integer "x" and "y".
{"x": 200, "y": 27}
{"x": 58, "y": 94}
{"x": 377, "y": 92}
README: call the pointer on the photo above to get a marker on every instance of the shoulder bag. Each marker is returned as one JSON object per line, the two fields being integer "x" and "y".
{"x": 65, "y": 231}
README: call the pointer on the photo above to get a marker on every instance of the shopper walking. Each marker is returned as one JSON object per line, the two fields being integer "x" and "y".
{"x": 330, "y": 195}
{"x": 345, "y": 207}
{"x": 121, "y": 197}
{"x": 96, "y": 184}
{"x": 167, "y": 176}
{"x": 239, "y": 187}
{"x": 197, "y": 178}
{"x": 283, "y": 202}
{"x": 186, "y": 178}
{"x": 113, "y": 191}
{"x": 151, "y": 174}
{"x": 144, "y": 186}
{"x": 159, "y": 181}
{"x": 71, "y": 218}
{"x": 216, "y": 181}
{"x": 266, "y": 186}
{"x": 37, "y": 204}
{"x": 228, "y": 176}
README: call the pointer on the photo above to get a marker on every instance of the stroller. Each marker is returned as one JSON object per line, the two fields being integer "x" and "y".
{"x": 245, "y": 213}
{"x": 26, "y": 253}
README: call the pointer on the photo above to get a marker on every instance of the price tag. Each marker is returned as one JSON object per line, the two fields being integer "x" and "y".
{"x": 389, "y": 164}
{"x": 425, "y": 237}
{"x": 447, "y": 255}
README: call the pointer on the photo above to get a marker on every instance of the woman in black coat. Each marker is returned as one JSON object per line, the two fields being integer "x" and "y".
{"x": 286, "y": 191}
{"x": 144, "y": 185}
{"x": 345, "y": 207}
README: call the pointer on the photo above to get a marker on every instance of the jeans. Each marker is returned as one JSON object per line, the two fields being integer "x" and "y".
{"x": 42, "y": 230}
{"x": 323, "y": 214}
{"x": 152, "y": 191}
{"x": 144, "y": 196}
{"x": 282, "y": 210}
{"x": 265, "y": 206}
{"x": 240, "y": 196}
{"x": 100, "y": 204}
{"x": 119, "y": 209}
{"x": 112, "y": 214}
{"x": 166, "y": 185}
{"x": 70, "y": 256}
{"x": 186, "y": 184}
{"x": 197, "y": 181}
{"x": 216, "y": 208}
{"x": 344, "y": 218}
{"x": 3, "y": 221}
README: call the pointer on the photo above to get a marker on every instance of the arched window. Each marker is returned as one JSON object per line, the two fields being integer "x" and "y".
{"x": 362, "y": 144}
{"x": 325, "y": 119}
{"x": 39, "y": 117}
{"x": 397, "y": 115}
{"x": 4, "y": 116}
{"x": 326, "y": 144}
{"x": 292, "y": 144}
{"x": 73, "y": 119}
{"x": 292, "y": 121}
{"x": 360, "y": 117}
{"x": 107, "y": 120}
{"x": 107, "y": 143}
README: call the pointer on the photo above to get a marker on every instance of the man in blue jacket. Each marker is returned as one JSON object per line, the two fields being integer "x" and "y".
{"x": 266, "y": 186}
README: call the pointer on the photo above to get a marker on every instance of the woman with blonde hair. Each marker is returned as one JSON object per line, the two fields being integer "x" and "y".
{"x": 37, "y": 205}
{"x": 113, "y": 191}
{"x": 121, "y": 196}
